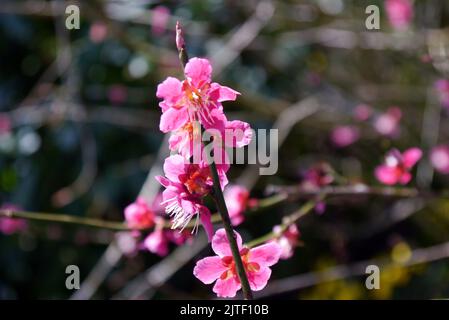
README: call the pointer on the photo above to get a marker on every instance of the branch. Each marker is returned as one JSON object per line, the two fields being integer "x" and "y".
{"x": 64, "y": 218}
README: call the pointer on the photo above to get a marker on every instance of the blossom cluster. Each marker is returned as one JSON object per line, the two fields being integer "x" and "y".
{"x": 190, "y": 108}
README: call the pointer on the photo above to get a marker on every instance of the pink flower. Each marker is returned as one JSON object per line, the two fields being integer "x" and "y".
{"x": 362, "y": 112}
{"x": 159, "y": 19}
{"x": 10, "y": 226}
{"x": 139, "y": 215}
{"x": 237, "y": 200}
{"x": 221, "y": 268}
{"x": 343, "y": 136}
{"x": 439, "y": 158}
{"x": 287, "y": 240}
{"x": 98, "y": 32}
{"x": 442, "y": 87}
{"x": 400, "y": 13}
{"x": 157, "y": 242}
{"x": 397, "y": 166}
{"x": 5, "y": 124}
{"x": 194, "y": 99}
{"x": 186, "y": 184}
{"x": 317, "y": 176}
{"x": 387, "y": 124}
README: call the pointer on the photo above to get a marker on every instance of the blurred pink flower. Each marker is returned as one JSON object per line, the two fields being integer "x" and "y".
{"x": 319, "y": 175}
{"x": 221, "y": 268}
{"x": 194, "y": 99}
{"x": 139, "y": 215}
{"x": 442, "y": 87}
{"x": 343, "y": 136}
{"x": 157, "y": 242}
{"x": 160, "y": 16}
{"x": 387, "y": 124}
{"x": 10, "y": 226}
{"x": 185, "y": 186}
{"x": 98, "y": 32}
{"x": 5, "y": 124}
{"x": 439, "y": 158}
{"x": 287, "y": 240}
{"x": 237, "y": 200}
{"x": 397, "y": 166}
{"x": 362, "y": 112}
{"x": 400, "y": 13}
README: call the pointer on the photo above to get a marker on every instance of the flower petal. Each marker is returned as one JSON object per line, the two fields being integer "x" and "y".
{"x": 237, "y": 134}
{"x": 223, "y": 93}
{"x": 170, "y": 90}
{"x": 174, "y": 166}
{"x": 209, "y": 269}
{"x": 199, "y": 71}
{"x": 173, "y": 119}
{"x": 220, "y": 243}
{"x": 258, "y": 280}
{"x": 226, "y": 288}
{"x": 387, "y": 175}
{"x": 411, "y": 157}
{"x": 157, "y": 243}
{"x": 265, "y": 255}
{"x": 163, "y": 181}
{"x": 405, "y": 178}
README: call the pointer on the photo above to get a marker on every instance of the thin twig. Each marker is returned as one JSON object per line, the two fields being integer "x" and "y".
{"x": 64, "y": 218}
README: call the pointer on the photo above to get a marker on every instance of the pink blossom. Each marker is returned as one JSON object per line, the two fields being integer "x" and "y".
{"x": 10, "y": 226}
{"x": 159, "y": 19}
{"x": 157, "y": 242}
{"x": 287, "y": 240}
{"x": 439, "y": 158}
{"x": 98, "y": 32}
{"x": 442, "y": 87}
{"x": 400, "y": 13}
{"x": 387, "y": 124}
{"x": 139, "y": 215}
{"x": 317, "y": 176}
{"x": 194, "y": 99}
{"x": 343, "y": 136}
{"x": 186, "y": 184}
{"x": 221, "y": 268}
{"x": 237, "y": 200}
{"x": 362, "y": 112}
{"x": 397, "y": 166}
{"x": 5, "y": 124}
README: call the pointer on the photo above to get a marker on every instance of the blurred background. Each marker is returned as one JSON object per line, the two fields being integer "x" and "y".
{"x": 79, "y": 136}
